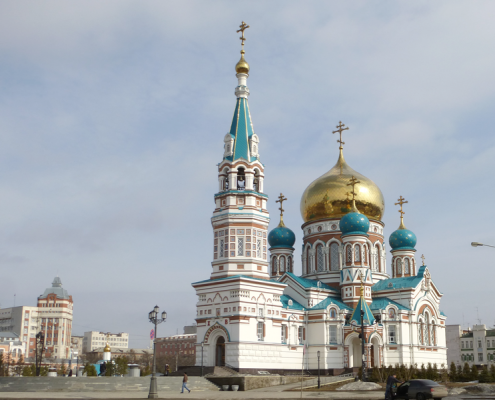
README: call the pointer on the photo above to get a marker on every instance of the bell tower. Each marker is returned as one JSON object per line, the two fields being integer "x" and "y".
{"x": 240, "y": 219}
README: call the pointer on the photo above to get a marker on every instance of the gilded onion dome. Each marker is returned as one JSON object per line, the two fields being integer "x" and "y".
{"x": 242, "y": 67}
{"x": 328, "y": 196}
{"x": 107, "y": 348}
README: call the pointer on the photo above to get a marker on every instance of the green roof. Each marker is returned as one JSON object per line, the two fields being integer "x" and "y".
{"x": 322, "y": 305}
{"x": 284, "y": 299}
{"x": 310, "y": 283}
{"x": 368, "y": 317}
{"x": 241, "y": 129}
{"x": 381, "y": 303}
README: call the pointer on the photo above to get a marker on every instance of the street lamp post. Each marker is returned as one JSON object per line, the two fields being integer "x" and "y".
{"x": 153, "y": 317}
{"x": 318, "y": 353}
{"x": 362, "y": 347}
{"x": 40, "y": 344}
{"x": 476, "y": 244}
{"x": 202, "y": 346}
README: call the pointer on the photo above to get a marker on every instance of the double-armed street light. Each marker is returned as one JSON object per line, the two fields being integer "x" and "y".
{"x": 153, "y": 317}
{"x": 477, "y": 244}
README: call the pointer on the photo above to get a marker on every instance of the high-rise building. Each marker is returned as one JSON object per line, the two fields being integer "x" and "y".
{"x": 55, "y": 314}
{"x": 52, "y": 316}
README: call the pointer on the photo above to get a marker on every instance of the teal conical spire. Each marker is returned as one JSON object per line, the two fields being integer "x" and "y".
{"x": 241, "y": 130}
{"x": 368, "y": 317}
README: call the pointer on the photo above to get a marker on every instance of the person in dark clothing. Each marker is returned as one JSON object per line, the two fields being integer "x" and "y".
{"x": 390, "y": 382}
{"x": 70, "y": 373}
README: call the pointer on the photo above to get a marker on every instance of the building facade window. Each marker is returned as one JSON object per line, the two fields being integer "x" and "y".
{"x": 399, "y": 266}
{"x": 392, "y": 338}
{"x": 320, "y": 258}
{"x": 240, "y": 246}
{"x": 334, "y": 257}
{"x": 357, "y": 253}
{"x": 406, "y": 266}
{"x": 300, "y": 335}
{"x": 261, "y": 327}
{"x": 332, "y": 334}
{"x": 282, "y": 333}
{"x": 282, "y": 264}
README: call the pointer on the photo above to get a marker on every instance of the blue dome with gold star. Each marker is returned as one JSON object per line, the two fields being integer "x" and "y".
{"x": 402, "y": 239}
{"x": 354, "y": 223}
{"x": 281, "y": 236}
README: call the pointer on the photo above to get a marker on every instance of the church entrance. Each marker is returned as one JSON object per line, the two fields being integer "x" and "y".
{"x": 355, "y": 357}
{"x": 375, "y": 352}
{"x": 220, "y": 352}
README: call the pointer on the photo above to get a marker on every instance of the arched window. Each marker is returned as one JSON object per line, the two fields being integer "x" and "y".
{"x": 433, "y": 333}
{"x": 333, "y": 313}
{"x": 274, "y": 265}
{"x": 289, "y": 264}
{"x": 378, "y": 259}
{"x": 427, "y": 330}
{"x": 406, "y": 266}
{"x": 256, "y": 182}
{"x": 282, "y": 264}
{"x": 421, "y": 329}
{"x": 320, "y": 258}
{"x": 334, "y": 257}
{"x": 308, "y": 261}
{"x": 349, "y": 254}
{"x": 241, "y": 179}
{"x": 255, "y": 149}
{"x": 14, "y": 353}
{"x": 365, "y": 254}
{"x": 357, "y": 253}
{"x": 399, "y": 267}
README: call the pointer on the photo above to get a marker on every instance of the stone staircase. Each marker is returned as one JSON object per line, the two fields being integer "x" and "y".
{"x": 224, "y": 371}
{"x": 101, "y": 384}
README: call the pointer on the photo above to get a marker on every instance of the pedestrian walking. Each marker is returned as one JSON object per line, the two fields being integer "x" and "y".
{"x": 184, "y": 383}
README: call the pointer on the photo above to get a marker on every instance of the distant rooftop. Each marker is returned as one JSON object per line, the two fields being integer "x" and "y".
{"x": 56, "y": 289}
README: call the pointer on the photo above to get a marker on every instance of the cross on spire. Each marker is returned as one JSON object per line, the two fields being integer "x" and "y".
{"x": 401, "y": 202}
{"x": 423, "y": 258}
{"x": 243, "y": 27}
{"x": 281, "y": 200}
{"x": 340, "y": 129}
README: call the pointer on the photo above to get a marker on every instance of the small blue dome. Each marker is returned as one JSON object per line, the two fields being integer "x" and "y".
{"x": 281, "y": 236}
{"x": 402, "y": 239}
{"x": 354, "y": 223}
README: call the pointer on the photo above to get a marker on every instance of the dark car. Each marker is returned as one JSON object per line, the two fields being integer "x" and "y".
{"x": 420, "y": 389}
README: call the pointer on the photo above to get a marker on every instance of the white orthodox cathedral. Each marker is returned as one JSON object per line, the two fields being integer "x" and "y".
{"x": 255, "y": 313}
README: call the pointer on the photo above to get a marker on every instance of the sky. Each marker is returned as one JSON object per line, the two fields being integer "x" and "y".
{"x": 112, "y": 118}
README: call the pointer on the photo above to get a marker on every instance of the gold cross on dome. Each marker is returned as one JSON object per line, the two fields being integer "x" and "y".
{"x": 423, "y": 258}
{"x": 243, "y": 27}
{"x": 340, "y": 129}
{"x": 401, "y": 202}
{"x": 353, "y": 183}
{"x": 281, "y": 200}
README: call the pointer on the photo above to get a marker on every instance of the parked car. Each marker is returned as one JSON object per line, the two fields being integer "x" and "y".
{"x": 420, "y": 389}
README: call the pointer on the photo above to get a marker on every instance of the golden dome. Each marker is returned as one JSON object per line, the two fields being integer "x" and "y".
{"x": 107, "y": 348}
{"x": 329, "y": 196}
{"x": 242, "y": 67}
